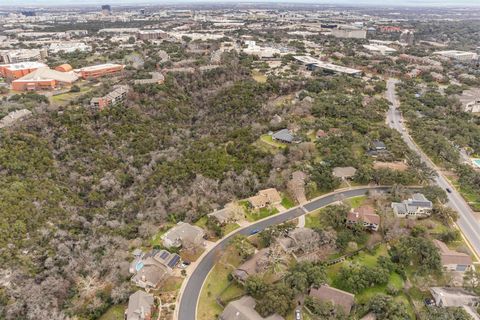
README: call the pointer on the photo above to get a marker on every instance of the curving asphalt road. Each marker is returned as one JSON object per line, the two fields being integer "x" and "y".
{"x": 188, "y": 300}
{"x": 467, "y": 222}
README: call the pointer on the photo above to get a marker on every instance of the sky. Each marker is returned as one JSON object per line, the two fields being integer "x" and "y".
{"x": 412, "y": 3}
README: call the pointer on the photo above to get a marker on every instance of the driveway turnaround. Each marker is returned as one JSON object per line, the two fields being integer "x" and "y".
{"x": 190, "y": 292}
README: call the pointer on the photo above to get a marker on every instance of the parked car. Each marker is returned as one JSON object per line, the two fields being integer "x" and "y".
{"x": 298, "y": 314}
{"x": 449, "y": 190}
{"x": 254, "y": 231}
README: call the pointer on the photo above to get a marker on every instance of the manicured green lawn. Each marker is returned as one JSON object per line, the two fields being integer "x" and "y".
{"x": 215, "y": 284}
{"x": 312, "y": 220}
{"x": 230, "y": 227}
{"x": 260, "y": 214}
{"x": 202, "y": 222}
{"x": 287, "y": 202}
{"x": 266, "y": 138}
{"x": 356, "y": 202}
{"x": 115, "y": 312}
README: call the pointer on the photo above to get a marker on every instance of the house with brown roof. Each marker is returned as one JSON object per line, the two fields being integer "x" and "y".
{"x": 265, "y": 198}
{"x": 244, "y": 309}
{"x": 256, "y": 264}
{"x": 364, "y": 215}
{"x": 452, "y": 260}
{"x": 340, "y": 299}
{"x": 344, "y": 172}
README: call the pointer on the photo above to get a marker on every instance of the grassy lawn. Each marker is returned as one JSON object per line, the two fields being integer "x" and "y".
{"x": 230, "y": 227}
{"x": 232, "y": 292}
{"x": 287, "y": 202}
{"x": 216, "y": 284}
{"x": 64, "y": 98}
{"x": 267, "y": 139}
{"x": 260, "y": 214}
{"x": 115, "y": 312}
{"x": 355, "y": 202}
{"x": 171, "y": 284}
{"x": 258, "y": 76}
{"x": 202, "y": 222}
{"x": 312, "y": 220}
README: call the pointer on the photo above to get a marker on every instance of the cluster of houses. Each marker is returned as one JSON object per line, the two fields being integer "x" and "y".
{"x": 150, "y": 270}
{"x": 304, "y": 244}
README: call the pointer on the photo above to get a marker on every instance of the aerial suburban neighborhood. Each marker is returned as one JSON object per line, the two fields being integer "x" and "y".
{"x": 239, "y": 161}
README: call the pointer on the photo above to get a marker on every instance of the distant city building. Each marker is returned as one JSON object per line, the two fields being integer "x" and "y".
{"x": 68, "y": 47}
{"x": 22, "y": 55}
{"x": 106, "y": 10}
{"x": 378, "y": 48}
{"x": 44, "y": 79}
{"x": 464, "y": 56}
{"x": 151, "y": 34}
{"x": 389, "y": 29}
{"x": 349, "y": 32}
{"x": 100, "y": 70}
{"x": 113, "y": 98}
{"x": 131, "y": 31}
{"x": 17, "y": 70}
{"x": 407, "y": 37}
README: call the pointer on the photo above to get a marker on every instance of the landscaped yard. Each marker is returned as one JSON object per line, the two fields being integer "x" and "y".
{"x": 356, "y": 202}
{"x": 254, "y": 215}
{"x": 287, "y": 202}
{"x": 312, "y": 220}
{"x": 217, "y": 283}
{"x": 267, "y": 139}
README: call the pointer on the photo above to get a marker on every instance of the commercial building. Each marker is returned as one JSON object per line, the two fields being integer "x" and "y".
{"x": 17, "y": 70}
{"x": 69, "y": 47}
{"x": 151, "y": 34}
{"x": 44, "y": 79}
{"x": 100, "y": 70}
{"x": 457, "y": 55}
{"x": 349, "y": 32}
{"x": 314, "y": 64}
{"x": 378, "y": 48}
{"x": 114, "y": 98}
{"x": 22, "y": 55}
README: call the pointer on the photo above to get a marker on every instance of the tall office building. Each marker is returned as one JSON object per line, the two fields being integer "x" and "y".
{"x": 106, "y": 10}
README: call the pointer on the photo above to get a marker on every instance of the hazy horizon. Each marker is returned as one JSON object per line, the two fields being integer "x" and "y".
{"x": 382, "y": 3}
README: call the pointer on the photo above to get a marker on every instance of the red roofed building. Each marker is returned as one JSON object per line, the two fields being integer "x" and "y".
{"x": 100, "y": 70}
{"x": 364, "y": 215}
{"x": 390, "y": 29}
{"x": 17, "y": 70}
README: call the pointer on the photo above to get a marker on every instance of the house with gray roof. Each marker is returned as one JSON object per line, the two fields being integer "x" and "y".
{"x": 456, "y": 297}
{"x": 453, "y": 260}
{"x": 151, "y": 269}
{"x": 184, "y": 235}
{"x": 283, "y": 135}
{"x": 244, "y": 309}
{"x": 255, "y": 265}
{"x": 140, "y": 306}
{"x": 418, "y": 206}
